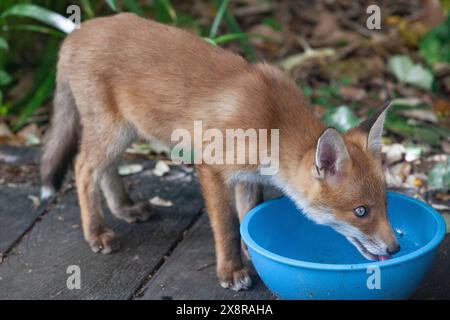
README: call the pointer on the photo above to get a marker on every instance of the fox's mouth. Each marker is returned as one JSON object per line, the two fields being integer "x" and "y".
{"x": 366, "y": 253}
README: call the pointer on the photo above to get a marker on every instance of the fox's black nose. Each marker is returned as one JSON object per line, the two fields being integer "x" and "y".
{"x": 393, "y": 249}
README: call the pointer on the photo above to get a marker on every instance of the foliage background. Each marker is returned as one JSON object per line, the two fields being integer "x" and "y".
{"x": 345, "y": 70}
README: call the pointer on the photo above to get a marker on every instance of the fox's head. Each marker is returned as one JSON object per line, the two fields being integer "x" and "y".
{"x": 346, "y": 187}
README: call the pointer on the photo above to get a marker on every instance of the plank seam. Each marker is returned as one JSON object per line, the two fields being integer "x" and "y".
{"x": 146, "y": 282}
{"x": 43, "y": 209}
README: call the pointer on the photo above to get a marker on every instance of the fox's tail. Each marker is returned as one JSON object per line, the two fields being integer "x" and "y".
{"x": 62, "y": 139}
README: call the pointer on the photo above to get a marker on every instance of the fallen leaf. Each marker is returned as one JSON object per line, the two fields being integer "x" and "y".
{"x": 161, "y": 168}
{"x": 442, "y": 196}
{"x": 413, "y": 153}
{"x": 439, "y": 200}
{"x": 31, "y": 135}
{"x": 402, "y": 170}
{"x": 439, "y": 176}
{"x": 415, "y": 180}
{"x": 5, "y": 132}
{"x": 125, "y": 170}
{"x": 393, "y": 152}
{"x": 420, "y": 115}
{"x": 352, "y": 93}
{"x": 406, "y": 71}
{"x": 36, "y": 201}
{"x": 412, "y": 32}
{"x": 159, "y": 147}
{"x": 342, "y": 118}
{"x": 328, "y": 31}
{"x": 268, "y": 38}
{"x": 157, "y": 201}
{"x": 409, "y": 102}
{"x": 187, "y": 169}
{"x": 139, "y": 148}
{"x": 327, "y": 24}
{"x": 442, "y": 108}
{"x": 297, "y": 59}
{"x": 173, "y": 176}
{"x": 432, "y": 14}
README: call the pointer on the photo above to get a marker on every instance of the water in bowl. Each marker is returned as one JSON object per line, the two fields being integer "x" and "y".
{"x": 313, "y": 243}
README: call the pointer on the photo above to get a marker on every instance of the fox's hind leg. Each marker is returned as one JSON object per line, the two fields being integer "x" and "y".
{"x": 118, "y": 200}
{"x": 247, "y": 195}
{"x": 102, "y": 144}
{"x": 88, "y": 170}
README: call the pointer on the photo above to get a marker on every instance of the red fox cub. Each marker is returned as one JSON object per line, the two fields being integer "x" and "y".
{"x": 124, "y": 77}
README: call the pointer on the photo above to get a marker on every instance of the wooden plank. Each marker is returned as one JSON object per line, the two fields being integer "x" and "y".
{"x": 37, "y": 267}
{"x": 437, "y": 283}
{"x": 190, "y": 272}
{"x": 19, "y": 155}
{"x": 17, "y": 214}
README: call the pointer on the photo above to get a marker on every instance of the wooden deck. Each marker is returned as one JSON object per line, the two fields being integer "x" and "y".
{"x": 169, "y": 257}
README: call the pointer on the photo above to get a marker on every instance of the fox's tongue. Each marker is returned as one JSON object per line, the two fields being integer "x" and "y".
{"x": 383, "y": 258}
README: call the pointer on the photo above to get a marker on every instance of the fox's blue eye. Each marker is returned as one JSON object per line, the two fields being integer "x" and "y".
{"x": 361, "y": 211}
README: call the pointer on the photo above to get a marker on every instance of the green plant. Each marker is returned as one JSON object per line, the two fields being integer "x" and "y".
{"x": 44, "y": 22}
{"x": 435, "y": 46}
{"x": 56, "y": 25}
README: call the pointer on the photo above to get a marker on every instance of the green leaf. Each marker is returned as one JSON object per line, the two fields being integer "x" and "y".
{"x": 5, "y": 78}
{"x": 29, "y": 103}
{"x": 166, "y": 8}
{"x": 307, "y": 90}
{"x": 35, "y": 28}
{"x": 113, "y": 5}
{"x": 425, "y": 134}
{"x": 273, "y": 23}
{"x": 41, "y": 14}
{"x": 435, "y": 45}
{"x": 446, "y": 5}
{"x": 230, "y": 20}
{"x": 342, "y": 118}
{"x": 87, "y": 7}
{"x": 218, "y": 19}
{"x": 4, "y": 44}
{"x": 439, "y": 176}
{"x": 406, "y": 71}
{"x": 134, "y": 7}
{"x": 430, "y": 49}
{"x": 420, "y": 77}
{"x": 210, "y": 41}
{"x": 230, "y": 37}
{"x": 42, "y": 94}
{"x": 400, "y": 66}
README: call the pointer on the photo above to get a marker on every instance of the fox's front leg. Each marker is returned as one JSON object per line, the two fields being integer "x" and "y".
{"x": 225, "y": 226}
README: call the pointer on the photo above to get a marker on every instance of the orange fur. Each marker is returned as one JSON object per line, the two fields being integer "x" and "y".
{"x": 125, "y": 77}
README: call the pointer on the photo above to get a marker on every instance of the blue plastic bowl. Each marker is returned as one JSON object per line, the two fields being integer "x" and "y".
{"x": 298, "y": 259}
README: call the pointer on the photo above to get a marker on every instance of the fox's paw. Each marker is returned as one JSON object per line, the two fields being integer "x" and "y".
{"x": 235, "y": 280}
{"x": 137, "y": 212}
{"x": 105, "y": 242}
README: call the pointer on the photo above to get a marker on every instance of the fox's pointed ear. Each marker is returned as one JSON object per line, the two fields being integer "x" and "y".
{"x": 331, "y": 154}
{"x": 373, "y": 127}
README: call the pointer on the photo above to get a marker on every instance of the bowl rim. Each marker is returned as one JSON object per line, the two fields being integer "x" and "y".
{"x": 432, "y": 244}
